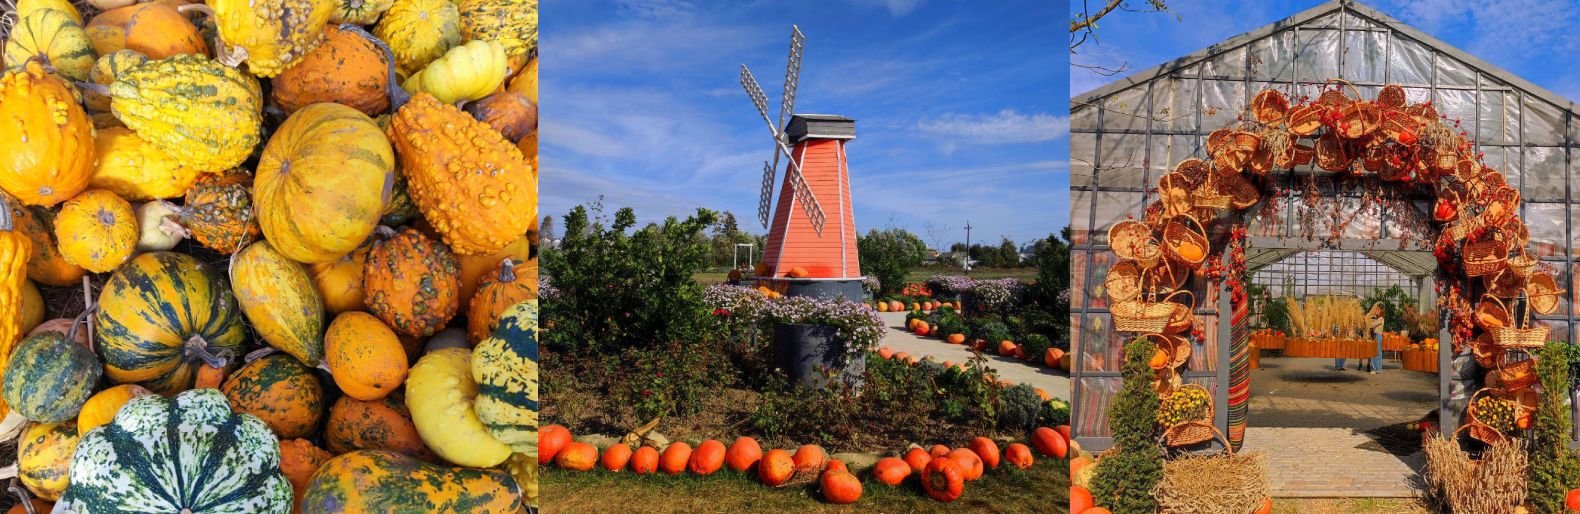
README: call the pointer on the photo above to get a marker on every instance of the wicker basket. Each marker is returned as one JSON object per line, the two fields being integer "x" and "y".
{"x": 1218, "y": 141}
{"x": 1523, "y": 403}
{"x": 1521, "y": 265}
{"x": 1184, "y": 316}
{"x": 1270, "y": 106}
{"x": 1208, "y": 196}
{"x": 1195, "y": 431}
{"x": 1174, "y": 190}
{"x": 1146, "y": 315}
{"x": 1503, "y": 285}
{"x": 1461, "y": 229}
{"x": 1181, "y": 232}
{"x": 1543, "y": 293}
{"x": 1242, "y": 193}
{"x": 1127, "y": 236}
{"x": 1306, "y": 119}
{"x": 1485, "y": 257}
{"x": 1193, "y": 170}
{"x": 1177, "y": 348}
{"x": 1358, "y": 119}
{"x": 1261, "y": 161}
{"x": 1167, "y": 382}
{"x": 1492, "y": 313}
{"x": 1330, "y": 153}
{"x": 1400, "y": 127}
{"x": 1391, "y": 97}
{"x": 1123, "y": 282}
{"x": 1304, "y": 154}
{"x": 1526, "y": 337}
{"x": 1516, "y": 375}
{"x": 1163, "y": 279}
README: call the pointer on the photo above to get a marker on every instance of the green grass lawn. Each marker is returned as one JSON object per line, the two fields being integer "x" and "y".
{"x": 1045, "y": 488}
{"x": 916, "y": 275}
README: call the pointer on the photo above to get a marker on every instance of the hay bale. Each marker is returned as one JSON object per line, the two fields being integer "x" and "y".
{"x": 1217, "y": 484}
{"x": 1493, "y": 485}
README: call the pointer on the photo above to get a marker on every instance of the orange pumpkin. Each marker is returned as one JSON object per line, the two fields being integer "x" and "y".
{"x": 577, "y": 456}
{"x": 901, "y": 356}
{"x": 885, "y": 352}
{"x": 970, "y": 464}
{"x": 345, "y": 68}
{"x": 1063, "y": 430}
{"x": 896, "y": 306}
{"x": 810, "y": 458}
{"x": 776, "y": 467}
{"x": 552, "y": 439}
{"x": 707, "y": 458}
{"x": 891, "y": 471}
{"x": 1018, "y": 455}
{"x": 1077, "y": 463}
{"x": 154, "y": 29}
{"x": 835, "y": 464}
{"x": 364, "y": 356}
{"x": 1051, "y": 357}
{"x": 675, "y": 458}
{"x": 298, "y": 460}
{"x": 942, "y": 480}
{"x": 45, "y": 265}
{"x": 1266, "y": 506}
{"x": 938, "y": 450}
{"x": 339, "y": 281}
{"x": 1080, "y": 499}
{"x": 40, "y": 506}
{"x": 987, "y": 450}
{"x": 840, "y": 487}
{"x": 644, "y": 461}
{"x": 376, "y": 425}
{"x": 1049, "y": 442}
{"x": 514, "y": 282}
{"x": 917, "y": 458}
{"x": 49, "y": 152}
{"x": 957, "y": 339}
{"x": 412, "y": 283}
{"x": 1006, "y": 348}
{"x": 277, "y": 388}
{"x": 799, "y": 272}
{"x": 743, "y": 454}
{"x": 475, "y": 267}
{"x": 511, "y": 114}
{"x": 616, "y": 457}
{"x": 209, "y": 376}
{"x": 218, "y": 211}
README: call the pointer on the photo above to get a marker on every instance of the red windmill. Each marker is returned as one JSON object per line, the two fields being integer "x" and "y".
{"x": 817, "y": 171}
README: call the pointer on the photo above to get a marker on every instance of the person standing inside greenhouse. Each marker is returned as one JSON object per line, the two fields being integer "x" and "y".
{"x": 1374, "y": 322}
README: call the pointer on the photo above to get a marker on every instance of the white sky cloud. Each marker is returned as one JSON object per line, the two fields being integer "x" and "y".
{"x": 1006, "y": 126}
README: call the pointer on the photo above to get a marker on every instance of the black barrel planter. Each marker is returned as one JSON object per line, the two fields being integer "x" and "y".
{"x": 804, "y": 352}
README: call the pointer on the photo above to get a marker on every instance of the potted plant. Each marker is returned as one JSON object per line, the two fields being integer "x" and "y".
{"x": 817, "y": 340}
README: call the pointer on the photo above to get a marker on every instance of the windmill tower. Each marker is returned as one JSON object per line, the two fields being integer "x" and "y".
{"x": 812, "y": 225}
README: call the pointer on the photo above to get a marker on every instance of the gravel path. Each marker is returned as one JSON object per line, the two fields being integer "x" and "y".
{"x": 1055, "y": 382}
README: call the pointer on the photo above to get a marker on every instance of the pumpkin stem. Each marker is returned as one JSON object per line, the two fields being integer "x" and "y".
{"x": 507, "y": 270}
{"x": 197, "y": 349}
{"x": 98, "y": 89}
{"x": 398, "y": 95}
{"x": 259, "y": 354}
{"x": 6, "y": 223}
{"x": 81, "y": 319}
{"x": 21, "y": 493}
{"x": 171, "y": 227}
{"x": 384, "y": 232}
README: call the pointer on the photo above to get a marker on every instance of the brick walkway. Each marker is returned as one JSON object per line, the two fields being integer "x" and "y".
{"x": 1055, "y": 382}
{"x": 1330, "y": 462}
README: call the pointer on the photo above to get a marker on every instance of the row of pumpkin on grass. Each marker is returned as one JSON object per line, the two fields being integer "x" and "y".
{"x": 941, "y": 471}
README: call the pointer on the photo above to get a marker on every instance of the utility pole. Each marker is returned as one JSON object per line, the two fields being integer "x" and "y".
{"x": 968, "y": 247}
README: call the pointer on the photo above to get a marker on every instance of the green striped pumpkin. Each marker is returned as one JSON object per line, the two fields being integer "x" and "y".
{"x": 51, "y": 37}
{"x": 322, "y": 182}
{"x": 184, "y": 454}
{"x": 384, "y": 481}
{"x": 280, "y": 300}
{"x": 506, "y": 369}
{"x": 50, "y": 377}
{"x": 160, "y": 316}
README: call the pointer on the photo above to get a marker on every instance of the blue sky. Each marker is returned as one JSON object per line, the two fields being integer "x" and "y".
{"x": 1530, "y": 38}
{"x": 961, "y": 108}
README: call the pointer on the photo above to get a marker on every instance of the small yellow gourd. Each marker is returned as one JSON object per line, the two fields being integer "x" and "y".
{"x": 137, "y": 170}
{"x": 100, "y": 408}
{"x": 270, "y": 35}
{"x": 439, "y": 393}
{"x": 419, "y": 31}
{"x": 97, "y": 230}
{"x": 467, "y": 72}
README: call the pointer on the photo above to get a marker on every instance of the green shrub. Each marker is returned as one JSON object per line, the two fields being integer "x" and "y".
{"x": 1035, "y": 346}
{"x": 1552, "y": 465}
{"x": 1055, "y": 412}
{"x": 611, "y": 288}
{"x": 889, "y": 255}
{"x": 1125, "y": 480}
{"x": 1018, "y": 408}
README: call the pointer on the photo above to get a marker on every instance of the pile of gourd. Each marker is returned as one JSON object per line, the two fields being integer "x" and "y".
{"x": 290, "y": 247}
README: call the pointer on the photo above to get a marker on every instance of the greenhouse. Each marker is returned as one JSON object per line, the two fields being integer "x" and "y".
{"x": 1367, "y": 219}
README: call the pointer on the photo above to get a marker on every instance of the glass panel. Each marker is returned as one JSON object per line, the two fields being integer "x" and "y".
{"x": 1105, "y": 349}
{"x": 1544, "y": 123}
{"x": 1451, "y": 72}
{"x": 1560, "y": 329}
{"x": 1409, "y": 62}
{"x": 1272, "y": 57}
{"x": 1226, "y": 65}
{"x": 1417, "y": 95}
{"x": 1174, "y": 105}
{"x": 1505, "y": 160}
{"x": 1366, "y": 225}
{"x": 1317, "y": 54}
{"x": 1363, "y": 56}
{"x": 1080, "y": 217}
{"x": 1268, "y": 219}
{"x": 1113, "y": 207}
{"x": 1329, "y": 20}
{"x": 1544, "y": 174}
{"x": 1499, "y": 118}
{"x": 1096, "y": 292}
{"x": 1459, "y": 106}
{"x": 1353, "y": 21}
{"x": 1546, "y": 223}
{"x": 1126, "y": 110}
{"x": 1122, "y": 161}
{"x": 1222, "y": 103}
{"x": 1091, "y": 417}
{"x": 1083, "y": 155}
{"x": 1168, "y": 151}
{"x": 1083, "y": 116}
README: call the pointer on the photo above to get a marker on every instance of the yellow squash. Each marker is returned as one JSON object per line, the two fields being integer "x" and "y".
{"x": 321, "y": 182}
{"x": 103, "y": 73}
{"x": 137, "y": 170}
{"x": 526, "y": 81}
{"x": 26, "y": 7}
{"x": 270, "y": 35}
{"x": 51, "y": 37}
{"x": 102, "y": 406}
{"x": 43, "y": 458}
{"x": 279, "y": 299}
{"x": 467, "y": 72}
{"x": 419, "y": 31}
{"x": 513, "y": 23}
{"x": 439, "y": 392}
{"x": 46, "y": 140}
{"x": 14, "y": 250}
{"x": 97, "y": 230}
{"x": 340, "y": 281}
{"x": 202, "y": 113}
{"x": 359, "y": 12}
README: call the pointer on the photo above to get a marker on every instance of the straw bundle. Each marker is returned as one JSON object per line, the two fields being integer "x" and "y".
{"x": 1493, "y": 485}
{"x": 1327, "y": 317}
{"x": 1217, "y": 484}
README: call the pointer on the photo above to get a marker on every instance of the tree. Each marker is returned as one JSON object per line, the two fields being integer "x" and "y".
{"x": 1008, "y": 254}
{"x": 889, "y": 255}
{"x": 546, "y": 229}
{"x": 1125, "y": 480}
{"x": 1083, "y": 26}
{"x": 1552, "y": 466}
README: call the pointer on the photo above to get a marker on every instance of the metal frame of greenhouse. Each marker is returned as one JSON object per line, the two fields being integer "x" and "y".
{"x": 1128, "y": 133}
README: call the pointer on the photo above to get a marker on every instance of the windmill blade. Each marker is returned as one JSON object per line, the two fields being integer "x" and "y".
{"x": 803, "y": 196}
{"x": 792, "y": 74}
{"x": 759, "y": 99}
{"x": 768, "y": 191}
